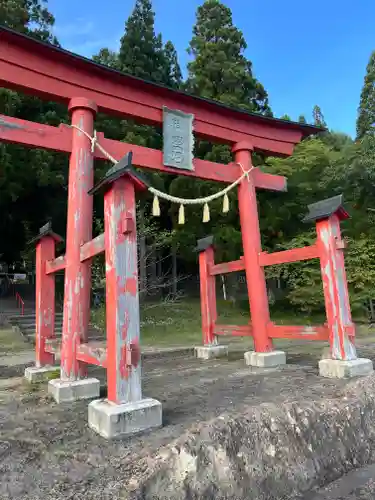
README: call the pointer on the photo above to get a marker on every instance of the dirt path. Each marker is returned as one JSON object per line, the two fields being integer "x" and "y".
{"x": 48, "y": 452}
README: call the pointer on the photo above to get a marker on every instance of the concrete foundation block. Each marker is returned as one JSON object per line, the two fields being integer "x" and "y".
{"x": 34, "y": 374}
{"x": 265, "y": 359}
{"x": 66, "y": 391}
{"x": 333, "y": 368}
{"x": 212, "y": 351}
{"x": 111, "y": 420}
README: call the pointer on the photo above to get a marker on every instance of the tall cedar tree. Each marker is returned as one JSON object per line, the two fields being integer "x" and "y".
{"x": 220, "y": 71}
{"x": 141, "y": 51}
{"x": 366, "y": 110}
{"x": 318, "y": 117}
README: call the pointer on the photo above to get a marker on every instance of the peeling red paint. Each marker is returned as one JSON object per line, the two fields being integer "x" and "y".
{"x": 45, "y": 301}
{"x": 131, "y": 285}
{"x": 252, "y": 247}
{"x": 124, "y": 367}
{"x": 124, "y": 377}
{"x": 208, "y": 296}
{"x": 135, "y": 353}
{"x": 79, "y": 232}
{"x": 336, "y": 296}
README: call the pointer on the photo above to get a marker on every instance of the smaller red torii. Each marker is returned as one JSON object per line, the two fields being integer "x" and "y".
{"x": 339, "y": 329}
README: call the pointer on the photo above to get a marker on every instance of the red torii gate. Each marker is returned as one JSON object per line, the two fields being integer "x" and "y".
{"x": 51, "y": 73}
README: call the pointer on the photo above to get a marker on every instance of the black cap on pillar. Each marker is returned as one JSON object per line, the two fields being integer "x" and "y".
{"x": 46, "y": 230}
{"x": 325, "y": 208}
{"x": 123, "y": 167}
{"x": 204, "y": 243}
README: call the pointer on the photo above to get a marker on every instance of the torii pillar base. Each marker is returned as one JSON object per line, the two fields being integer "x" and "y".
{"x": 35, "y": 374}
{"x": 112, "y": 420}
{"x": 211, "y": 351}
{"x": 67, "y": 391}
{"x": 271, "y": 359}
{"x": 336, "y": 368}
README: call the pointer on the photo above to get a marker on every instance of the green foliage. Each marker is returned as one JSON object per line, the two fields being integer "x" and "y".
{"x": 29, "y": 178}
{"x": 304, "y": 283}
{"x": 141, "y": 51}
{"x": 302, "y": 119}
{"x": 285, "y": 117}
{"x": 311, "y": 172}
{"x": 318, "y": 117}
{"x": 28, "y": 16}
{"x": 220, "y": 71}
{"x": 173, "y": 75}
{"x": 366, "y": 110}
{"x": 108, "y": 58}
{"x": 303, "y": 280}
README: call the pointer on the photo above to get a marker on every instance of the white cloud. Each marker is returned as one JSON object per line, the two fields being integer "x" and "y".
{"x": 81, "y": 37}
{"x": 91, "y": 46}
{"x": 79, "y": 28}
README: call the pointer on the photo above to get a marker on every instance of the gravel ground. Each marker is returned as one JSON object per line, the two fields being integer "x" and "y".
{"x": 48, "y": 452}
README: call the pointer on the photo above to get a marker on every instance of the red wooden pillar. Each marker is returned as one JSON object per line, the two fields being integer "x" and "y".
{"x": 79, "y": 231}
{"x": 207, "y": 290}
{"x": 252, "y": 247}
{"x": 45, "y": 301}
{"x": 336, "y": 297}
{"x": 122, "y": 301}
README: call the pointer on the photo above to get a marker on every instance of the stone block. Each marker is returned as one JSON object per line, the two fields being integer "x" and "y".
{"x": 210, "y": 352}
{"x": 111, "y": 420}
{"x": 66, "y": 391}
{"x": 265, "y": 359}
{"x": 34, "y": 374}
{"x": 333, "y": 368}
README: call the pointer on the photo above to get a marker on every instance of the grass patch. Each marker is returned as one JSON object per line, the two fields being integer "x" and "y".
{"x": 179, "y": 323}
{"x": 11, "y": 342}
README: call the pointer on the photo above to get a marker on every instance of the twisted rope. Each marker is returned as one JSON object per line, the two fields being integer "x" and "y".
{"x": 174, "y": 199}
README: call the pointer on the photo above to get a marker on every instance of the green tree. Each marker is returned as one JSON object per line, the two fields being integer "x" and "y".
{"x": 285, "y": 117}
{"x": 318, "y": 117}
{"x": 108, "y": 58}
{"x": 141, "y": 50}
{"x": 173, "y": 75}
{"x": 31, "y": 17}
{"x": 29, "y": 178}
{"x": 302, "y": 119}
{"x": 366, "y": 110}
{"x": 220, "y": 71}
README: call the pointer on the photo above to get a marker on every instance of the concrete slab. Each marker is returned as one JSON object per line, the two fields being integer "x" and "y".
{"x": 34, "y": 374}
{"x": 333, "y": 368}
{"x": 111, "y": 420}
{"x": 210, "y": 352}
{"x": 66, "y": 391}
{"x": 265, "y": 359}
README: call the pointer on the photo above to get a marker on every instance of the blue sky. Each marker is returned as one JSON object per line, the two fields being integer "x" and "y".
{"x": 304, "y": 52}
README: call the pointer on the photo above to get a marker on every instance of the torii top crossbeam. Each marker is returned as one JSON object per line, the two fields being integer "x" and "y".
{"x": 51, "y": 73}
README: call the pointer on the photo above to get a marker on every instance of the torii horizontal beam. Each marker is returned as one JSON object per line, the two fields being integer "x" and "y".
{"x": 51, "y": 73}
{"x": 15, "y": 130}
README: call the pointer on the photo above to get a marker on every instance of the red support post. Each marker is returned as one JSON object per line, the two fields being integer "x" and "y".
{"x": 207, "y": 296}
{"x": 252, "y": 247}
{"x": 45, "y": 301}
{"x": 336, "y": 297}
{"x": 122, "y": 300}
{"x": 79, "y": 231}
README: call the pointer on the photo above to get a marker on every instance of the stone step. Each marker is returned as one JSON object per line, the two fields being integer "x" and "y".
{"x": 29, "y": 323}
